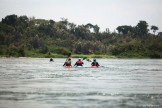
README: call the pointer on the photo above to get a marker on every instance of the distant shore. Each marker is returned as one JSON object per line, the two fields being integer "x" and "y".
{"x": 63, "y": 56}
{"x": 86, "y": 56}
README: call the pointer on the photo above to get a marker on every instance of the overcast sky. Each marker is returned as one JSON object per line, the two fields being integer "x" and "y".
{"x": 105, "y": 13}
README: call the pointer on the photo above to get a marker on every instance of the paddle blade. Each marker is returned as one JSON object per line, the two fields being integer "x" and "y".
{"x": 84, "y": 58}
{"x": 69, "y": 54}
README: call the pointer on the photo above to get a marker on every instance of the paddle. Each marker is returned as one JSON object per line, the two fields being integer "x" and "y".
{"x": 91, "y": 61}
{"x": 69, "y": 54}
{"x": 85, "y": 58}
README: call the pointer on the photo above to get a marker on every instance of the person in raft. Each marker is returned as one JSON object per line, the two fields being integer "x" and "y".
{"x": 95, "y": 63}
{"x": 67, "y": 62}
{"x": 79, "y": 62}
{"x": 51, "y": 60}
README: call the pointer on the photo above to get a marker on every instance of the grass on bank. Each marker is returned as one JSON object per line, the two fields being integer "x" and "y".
{"x": 36, "y": 54}
{"x": 91, "y": 56}
{"x": 130, "y": 54}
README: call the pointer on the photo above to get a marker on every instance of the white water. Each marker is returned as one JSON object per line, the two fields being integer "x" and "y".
{"x": 118, "y": 83}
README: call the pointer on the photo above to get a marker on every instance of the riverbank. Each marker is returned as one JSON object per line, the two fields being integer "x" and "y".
{"x": 132, "y": 54}
{"x": 54, "y": 55}
{"x": 63, "y": 56}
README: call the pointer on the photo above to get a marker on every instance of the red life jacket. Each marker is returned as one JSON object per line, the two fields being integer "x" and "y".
{"x": 79, "y": 63}
{"x": 68, "y": 64}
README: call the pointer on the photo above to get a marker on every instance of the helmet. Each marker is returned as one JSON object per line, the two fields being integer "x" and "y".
{"x": 94, "y": 59}
{"x": 79, "y": 58}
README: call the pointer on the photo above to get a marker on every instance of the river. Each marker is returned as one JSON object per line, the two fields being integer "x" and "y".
{"x": 118, "y": 83}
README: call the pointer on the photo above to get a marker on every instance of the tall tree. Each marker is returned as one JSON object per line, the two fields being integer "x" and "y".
{"x": 96, "y": 29}
{"x": 119, "y": 28}
{"x": 124, "y": 29}
{"x": 154, "y": 28}
{"x": 71, "y": 27}
{"x": 10, "y": 20}
{"x": 142, "y": 28}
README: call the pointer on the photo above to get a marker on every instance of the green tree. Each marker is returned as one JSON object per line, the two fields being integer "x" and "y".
{"x": 72, "y": 27}
{"x": 124, "y": 29}
{"x": 10, "y": 20}
{"x": 96, "y": 29}
{"x": 142, "y": 28}
{"x": 154, "y": 28}
{"x": 82, "y": 32}
{"x": 20, "y": 36}
{"x": 22, "y": 23}
{"x": 160, "y": 34}
{"x": 36, "y": 42}
{"x": 21, "y": 51}
{"x": 119, "y": 28}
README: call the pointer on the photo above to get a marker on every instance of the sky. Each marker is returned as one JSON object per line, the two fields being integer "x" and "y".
{"x": 105, "y": 13}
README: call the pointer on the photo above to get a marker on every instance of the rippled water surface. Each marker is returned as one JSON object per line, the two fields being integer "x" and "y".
{"x": 118, "y": 83}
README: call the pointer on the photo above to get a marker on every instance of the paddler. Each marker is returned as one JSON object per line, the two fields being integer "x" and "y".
{"x": 67, "y": 62}
{"x": 51, "y": 60}
{"x": 95, "y": 63}
{"x": 79, "y": 62}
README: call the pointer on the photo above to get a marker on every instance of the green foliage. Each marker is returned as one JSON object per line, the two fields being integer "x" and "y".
{"x": 44, "y": 50}
{"x": 160, "y": 34}
{"x": 12, "y": 51}
{"x": 88, "y": 56}
{"x": 10, "y": 20}
{"x": 3, "y": 50}
{"x": 155, "y": 55}
{"x": 142, "y": 28}
{"x": 124, "y": 29}
{"x": 154, "y": 28}
{"x": 62, "y": 51}
{"x": 21, "y": 52}
{"x": 23, "y": 36}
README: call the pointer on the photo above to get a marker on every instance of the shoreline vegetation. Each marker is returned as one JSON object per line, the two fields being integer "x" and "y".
{"x": 86, "y": 56}
{"x": 22, "y": 36}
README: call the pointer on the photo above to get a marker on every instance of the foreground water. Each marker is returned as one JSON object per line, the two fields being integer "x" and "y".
{"x": 118, "y": 83}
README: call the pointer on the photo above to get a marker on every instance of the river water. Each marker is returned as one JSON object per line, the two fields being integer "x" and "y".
{"x": 118, "y": 83}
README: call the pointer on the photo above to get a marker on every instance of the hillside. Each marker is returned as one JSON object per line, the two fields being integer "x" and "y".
{"x": 30, "y": 37}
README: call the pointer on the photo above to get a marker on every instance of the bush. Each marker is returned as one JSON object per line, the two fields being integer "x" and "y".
{"x": 21, "y": 52}
{"x": 43, "y": 50}
{"x": 63, "y": 51}
{"x": 154, "y": 55}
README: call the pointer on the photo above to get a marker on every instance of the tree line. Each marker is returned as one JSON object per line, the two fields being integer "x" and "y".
{"x": 24, "y": 36}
